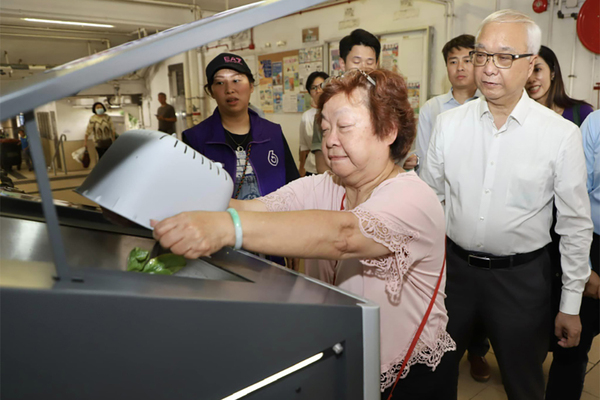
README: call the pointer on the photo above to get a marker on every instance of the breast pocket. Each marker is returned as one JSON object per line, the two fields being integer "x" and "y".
{"x": 526, "y": 187}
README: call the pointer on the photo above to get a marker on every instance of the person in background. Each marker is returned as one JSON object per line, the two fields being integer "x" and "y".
{"x": 165, "y": 115}
{"x": 498, "y": 163}
{"x": 101, "y": 128}
{"x": 568, "y": 368}
{"x": 378, "y": 228}
{"x": 546, "y": 86}
{"x": 461, "y": 77}
{"x": 307, "y": 123}
{"x": 359, "y": 50}
{"x": 25, "y": 153}
{"x": 253, "y": 150}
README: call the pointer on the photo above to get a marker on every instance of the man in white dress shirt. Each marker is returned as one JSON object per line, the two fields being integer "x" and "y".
{"x": 460, "y": 74}
{"x": 498, "y": 163}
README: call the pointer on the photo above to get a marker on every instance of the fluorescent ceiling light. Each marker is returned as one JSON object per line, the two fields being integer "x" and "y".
{"x": 54, "y": 21}
{"x": 273, "y": 378}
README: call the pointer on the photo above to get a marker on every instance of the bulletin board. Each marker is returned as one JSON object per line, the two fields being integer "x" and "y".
{"x": 407, "y": 52}
{"x": 282, "y": 79}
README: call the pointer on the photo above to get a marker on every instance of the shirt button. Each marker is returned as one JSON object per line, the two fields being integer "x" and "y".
{"x": 492, "y": 163}
{"x": 487, "y": 191}
{"x": 481, "y": 218}
{"x": 479, "y": 245}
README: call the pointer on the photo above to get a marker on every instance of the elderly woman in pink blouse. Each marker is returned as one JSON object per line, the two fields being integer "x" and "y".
{"x": 367, "y": 226}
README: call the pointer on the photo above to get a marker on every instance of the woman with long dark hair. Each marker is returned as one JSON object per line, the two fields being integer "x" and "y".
{"x": 546, "y": 86}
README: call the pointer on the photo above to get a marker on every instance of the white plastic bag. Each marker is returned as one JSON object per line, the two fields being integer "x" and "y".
{"x": 78, "y": 155}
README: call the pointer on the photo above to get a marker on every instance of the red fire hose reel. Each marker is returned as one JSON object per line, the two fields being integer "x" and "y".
{"x": 588, "y": 25}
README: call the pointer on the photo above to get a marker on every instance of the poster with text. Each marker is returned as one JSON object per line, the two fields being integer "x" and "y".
{"x": 414, "y": 94}
{"x": 291, "y": 74}
{"x": 303, "y": 56}
{"x": 290, "y": 102}
{"x": 265, "y": 70}
{"x": 307, "y": 69}
{"x": 266, "y": 94}
{"x": 304, "y": 101}
{"x": 335, "y": 68}
{"x": 389, "y": 57}
{"x": 277, "y": 99}
{"x": 315, "y": 54}
{"x": 277, "y": 73}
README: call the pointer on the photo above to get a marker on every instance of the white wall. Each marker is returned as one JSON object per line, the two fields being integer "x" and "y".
{"x": 378, "y": 17}
{"x": 157, "y": 82}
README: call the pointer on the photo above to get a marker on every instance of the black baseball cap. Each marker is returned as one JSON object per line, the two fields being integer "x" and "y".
{"x": 228, "y": 61}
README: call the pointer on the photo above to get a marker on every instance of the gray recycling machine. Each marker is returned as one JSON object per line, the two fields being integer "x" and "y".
{"x": 75, "y": 325}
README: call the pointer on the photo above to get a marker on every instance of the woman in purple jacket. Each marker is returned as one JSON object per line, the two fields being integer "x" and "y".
{"x": 252, "y": 149}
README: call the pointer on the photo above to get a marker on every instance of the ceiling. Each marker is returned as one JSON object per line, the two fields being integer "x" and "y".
{"x": 46, "y": 44}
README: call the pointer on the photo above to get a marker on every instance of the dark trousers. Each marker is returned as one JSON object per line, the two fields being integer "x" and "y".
{"x": 101, "y": 151}
{"x": 26, "y": 156}
{"x": 422, "y": 383}
{"x": 480, "y": 345}
{"x": 567, "y": 371}
{"x": 512, "y": 305}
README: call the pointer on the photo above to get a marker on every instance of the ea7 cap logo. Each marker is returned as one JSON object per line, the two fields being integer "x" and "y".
{"x": 227, "y": 61}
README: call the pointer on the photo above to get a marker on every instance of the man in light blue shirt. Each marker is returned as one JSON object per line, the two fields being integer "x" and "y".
{"x": 591, "y": 146}
{"x": 460, "y": 75}
{"x": 569, "y": 365}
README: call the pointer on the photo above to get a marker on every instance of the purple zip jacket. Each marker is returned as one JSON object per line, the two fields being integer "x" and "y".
{"x": 267, "y": 155}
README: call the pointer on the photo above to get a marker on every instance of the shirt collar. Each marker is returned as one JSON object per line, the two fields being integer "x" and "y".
{"x": 519, "y": 113}
{"x": 448, "y": 97}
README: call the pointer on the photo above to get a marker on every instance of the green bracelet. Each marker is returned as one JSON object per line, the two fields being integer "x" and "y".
{"x": 238, "y": 228}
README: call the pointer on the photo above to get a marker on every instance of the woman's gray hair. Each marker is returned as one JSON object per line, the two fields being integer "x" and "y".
{"x": 534, "y": 33}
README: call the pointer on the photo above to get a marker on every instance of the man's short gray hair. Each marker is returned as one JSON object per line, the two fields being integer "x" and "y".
{"x": 534, "y": 33}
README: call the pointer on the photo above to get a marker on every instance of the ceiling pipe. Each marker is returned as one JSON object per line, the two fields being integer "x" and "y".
{"x": 192, "y": 7}
{"x": 317, "y": 8}
{"x": 90, "y": 32}
{"x": 106, "y": 41}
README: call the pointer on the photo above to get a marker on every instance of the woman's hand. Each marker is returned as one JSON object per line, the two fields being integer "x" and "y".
{"x": 195, "y": 234}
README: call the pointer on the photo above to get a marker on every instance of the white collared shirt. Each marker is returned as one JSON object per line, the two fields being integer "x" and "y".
{"x": 498, "y": 185}
{"x": 306, "y": 133}
{"x": 427, "y": 116}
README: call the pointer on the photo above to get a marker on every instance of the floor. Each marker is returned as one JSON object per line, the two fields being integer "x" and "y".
{"x": 62, "y": 185}
{"x": 468, "y": 389}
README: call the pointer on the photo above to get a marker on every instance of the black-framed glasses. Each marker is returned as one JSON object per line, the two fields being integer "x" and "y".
{"x": 501, "y": 60}
{"x": 348, "y": 74}
{"x": 315, "y": 87}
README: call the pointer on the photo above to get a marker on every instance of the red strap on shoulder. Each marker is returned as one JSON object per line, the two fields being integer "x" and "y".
{"x": 421, "y": 327}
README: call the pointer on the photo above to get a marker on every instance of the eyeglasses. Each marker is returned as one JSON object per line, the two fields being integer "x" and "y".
{"x": 315, "y": 87}
{"x": 501, "y": 60}
{"x": 349, "y": 74}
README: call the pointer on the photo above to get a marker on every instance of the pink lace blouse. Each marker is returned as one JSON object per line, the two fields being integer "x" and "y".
{"x": 404, "y": 215}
